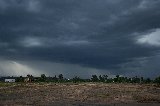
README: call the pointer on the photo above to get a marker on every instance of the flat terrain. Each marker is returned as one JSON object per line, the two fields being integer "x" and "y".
{"x": 83, "y": 94}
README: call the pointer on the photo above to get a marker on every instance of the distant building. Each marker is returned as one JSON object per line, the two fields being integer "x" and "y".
{"x": 10, "y": 80}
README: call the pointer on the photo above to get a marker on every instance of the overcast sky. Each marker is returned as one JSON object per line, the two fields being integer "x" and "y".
{"x": 80, "y": 37}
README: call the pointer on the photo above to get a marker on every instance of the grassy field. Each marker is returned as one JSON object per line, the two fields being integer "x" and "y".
{"x": 82, "y": 94}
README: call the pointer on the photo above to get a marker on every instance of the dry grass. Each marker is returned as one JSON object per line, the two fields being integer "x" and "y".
{"x": 70, "y": 93}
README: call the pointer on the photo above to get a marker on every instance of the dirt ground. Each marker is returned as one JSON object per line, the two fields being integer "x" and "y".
{"x": 83, "y": 94}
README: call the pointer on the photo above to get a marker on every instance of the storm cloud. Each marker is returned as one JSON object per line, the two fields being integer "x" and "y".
{"x": 80, "y": 37}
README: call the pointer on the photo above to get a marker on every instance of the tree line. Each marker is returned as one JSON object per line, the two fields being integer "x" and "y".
{"x": 94, "y": 78}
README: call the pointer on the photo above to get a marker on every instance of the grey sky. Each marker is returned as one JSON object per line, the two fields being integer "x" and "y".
{"x": 80, "y": 37}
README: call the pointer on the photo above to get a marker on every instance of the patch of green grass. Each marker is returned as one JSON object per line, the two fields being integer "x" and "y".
{"x": 8, "y": 92}
{"x": 3, "y": 84}
{"x": 103, "y": 95}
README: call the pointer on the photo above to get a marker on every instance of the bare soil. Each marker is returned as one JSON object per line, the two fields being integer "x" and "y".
{"x": 83, "y": 94}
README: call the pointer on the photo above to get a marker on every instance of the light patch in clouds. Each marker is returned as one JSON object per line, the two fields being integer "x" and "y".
{"x": 3, "y": 5}
{"x": 16, "y": 69}
{"x": 77, "y": 42}
{"x": 152, "y": 38}
{"x": 36, "y": 68}
{"x": 143, "y": 4}
{"x": 146, "y": 4}
{"x": 3, "y": 44}
{"x": 33, "y": 6}
{"x": 29, "y": 5}
{"x": 31, "y": 42}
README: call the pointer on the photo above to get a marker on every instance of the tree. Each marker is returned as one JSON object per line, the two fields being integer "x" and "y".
{"x": 55, "y": 79}
{"x": 157, "y": 80}
{"x": 135, "y": 80}
{"x": 142, "y": 79}
{"x": 29, "y": 78}
{"x": 60, "y": 77}
{"x": 43, "y": 78}
{"x": 20, "y": 79}
{"x": 94, "y": 78}
{"x": 116, "y": 79}
{"x": 148, "y": 80}
{"x": 138, "y": 80}
{"x": 105, "y": 77}
{"x": 101, "y": 79}
{"x": 76, "y": 79}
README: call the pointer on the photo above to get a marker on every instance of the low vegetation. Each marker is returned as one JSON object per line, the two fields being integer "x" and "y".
{"x": 94, "y": 78}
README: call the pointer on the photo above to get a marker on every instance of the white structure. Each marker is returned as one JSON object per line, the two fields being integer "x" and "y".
{"x": 10, "y": 80}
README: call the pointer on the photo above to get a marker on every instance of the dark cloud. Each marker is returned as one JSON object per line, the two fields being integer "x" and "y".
{"x": 102, "y": 34}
